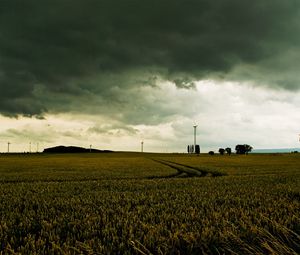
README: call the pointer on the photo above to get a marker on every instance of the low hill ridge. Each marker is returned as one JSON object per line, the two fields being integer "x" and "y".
{"x": 277, "y": 150}
{"x": 72, "y": 149}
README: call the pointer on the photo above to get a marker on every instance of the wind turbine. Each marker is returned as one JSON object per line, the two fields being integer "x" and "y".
{"x": 142, "y": 146}
{"x": 195, "y": 134}
{"x": 8, "y": 144}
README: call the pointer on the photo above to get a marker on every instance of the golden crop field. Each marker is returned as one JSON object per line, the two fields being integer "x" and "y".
{"x": 133, "y": 203}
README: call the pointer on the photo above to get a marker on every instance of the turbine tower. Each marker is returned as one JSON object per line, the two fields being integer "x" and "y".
{"x": 195, "y": 133}
{"x": 8, "y": 144}
{"x": 142, "y": 146}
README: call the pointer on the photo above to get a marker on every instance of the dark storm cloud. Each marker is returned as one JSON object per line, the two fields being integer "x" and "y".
{"x": 59, "y": 55}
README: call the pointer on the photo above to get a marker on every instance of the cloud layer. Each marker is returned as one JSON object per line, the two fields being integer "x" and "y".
{"x": 101, "y": 56}
{"x": 227, "y": 114}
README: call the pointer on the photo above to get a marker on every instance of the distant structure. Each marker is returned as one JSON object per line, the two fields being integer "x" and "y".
{"x": 195, "y": 134}
{"x": 90, "y": 148}
{"x": 142, "y": 146}
{"x": 8, "y": 144}
{"x": 197, "y": 149}
{"x": 190, "y": 148}
{"x": 194, "y": 148}
{"x": 29, "y": 147}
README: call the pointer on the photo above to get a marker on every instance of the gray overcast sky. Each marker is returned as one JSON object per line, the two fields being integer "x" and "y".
{"x": 111, "y": 73}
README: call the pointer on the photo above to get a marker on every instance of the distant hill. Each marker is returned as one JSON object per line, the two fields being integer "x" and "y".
{"x": 282, "y": 150}
{"x": 72, "y": 149}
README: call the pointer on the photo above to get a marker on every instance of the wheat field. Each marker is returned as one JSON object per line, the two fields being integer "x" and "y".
{"x": 143, "y": 203}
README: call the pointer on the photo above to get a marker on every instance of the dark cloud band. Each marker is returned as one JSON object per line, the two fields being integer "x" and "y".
{"x": 54, "y": 54}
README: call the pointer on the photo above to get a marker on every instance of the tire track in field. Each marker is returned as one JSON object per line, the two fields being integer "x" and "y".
{"x": 182, "y": 171}
{"x": 204, "y": 171}
{"x": 186, "y": 170}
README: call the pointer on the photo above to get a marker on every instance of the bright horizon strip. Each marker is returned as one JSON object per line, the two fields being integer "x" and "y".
{"x": 226, "y": 113}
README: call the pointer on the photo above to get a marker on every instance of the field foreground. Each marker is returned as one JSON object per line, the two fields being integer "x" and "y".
{"x": 133, "y": 203}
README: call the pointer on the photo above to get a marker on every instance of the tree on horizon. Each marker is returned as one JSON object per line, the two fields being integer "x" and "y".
{"x": 228, "y": 150}
{"x": 243, "y": 148}
{"x": 221, "y": 151}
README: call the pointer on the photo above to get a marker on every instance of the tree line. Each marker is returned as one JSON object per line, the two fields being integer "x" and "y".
{"x": 239, "y": 149}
